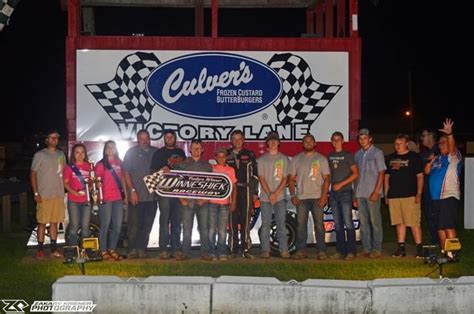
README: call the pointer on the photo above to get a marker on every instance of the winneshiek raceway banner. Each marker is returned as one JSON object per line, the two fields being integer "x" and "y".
{"x": 207, "y": 95}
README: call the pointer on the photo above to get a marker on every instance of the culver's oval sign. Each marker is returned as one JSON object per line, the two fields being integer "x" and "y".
{"x": 214, "y": 86}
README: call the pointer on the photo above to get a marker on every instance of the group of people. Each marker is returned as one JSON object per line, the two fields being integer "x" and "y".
{"x": 51, "y": 176}
{"x": 427, "y": 182}
{"x": 341, "y": 179}
{"x": 213, "y": 216}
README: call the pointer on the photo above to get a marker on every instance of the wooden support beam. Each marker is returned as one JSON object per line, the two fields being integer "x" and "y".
{"x": 88, "y": 21}
{"x": 73, "y": 18}
{"x": 73, "y": 33}
{"x": 329, "y": 14}
{"x": 207, "y": 3}
{"x": 319, "y": 18}
{"x": 71, "y": 44}
{"x": 199, "y": 18}
{"x": 215, "y": 20}
{"x": 341, "y": 18}
{"x": 353, "y": 18}
{"x": 310, "y": 20}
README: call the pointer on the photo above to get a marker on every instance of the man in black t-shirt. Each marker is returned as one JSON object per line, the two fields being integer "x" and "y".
{"x": 165, "y": 159}
{"x": 403, "y": 188}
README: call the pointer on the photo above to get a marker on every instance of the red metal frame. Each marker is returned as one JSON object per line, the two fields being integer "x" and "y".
{"x": 71, "y": 44}
{"x": 75, "y": 42}
{"x": 214, "y": 13}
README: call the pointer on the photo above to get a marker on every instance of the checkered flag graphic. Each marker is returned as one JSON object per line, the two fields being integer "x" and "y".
{"x": 303, "y": 98}
{"x": 124, "y": 98}
{"x": 6, "y": 11}
{"x": 151, "y": 181}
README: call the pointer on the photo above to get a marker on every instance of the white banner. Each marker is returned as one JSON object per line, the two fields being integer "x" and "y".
{"x": 206, "y": 95}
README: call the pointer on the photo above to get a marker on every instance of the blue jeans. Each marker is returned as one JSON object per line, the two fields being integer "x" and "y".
{"x": 218, "y": 219}
{"x": 279, "y": 210}
{"x": 170, "y": 218}
{"x": 139, "y": 224}
{"x": 110, "y": 213}
{"x": 302, "y": 212}
{"x": 341, "y": 205}
{"x": 202, "y": 214}
{"x": 371, "y": 229}
{"x": 79, "y": 215}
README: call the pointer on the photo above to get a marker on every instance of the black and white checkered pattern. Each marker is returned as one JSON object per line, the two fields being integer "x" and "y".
{"x": 303, "y": 99}
{"x": 151, "y": 181}
{"x": 124, "y": 98}
{"x": 6, "y": 10}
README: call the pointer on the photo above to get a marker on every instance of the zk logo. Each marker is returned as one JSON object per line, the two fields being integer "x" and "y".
{"x": 15, "y": 306}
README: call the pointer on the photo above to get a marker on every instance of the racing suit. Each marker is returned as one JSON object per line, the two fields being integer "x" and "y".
{"x": 245, "y": 166}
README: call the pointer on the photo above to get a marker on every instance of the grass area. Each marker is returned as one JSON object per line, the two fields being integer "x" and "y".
{"x": 23, "y": 277}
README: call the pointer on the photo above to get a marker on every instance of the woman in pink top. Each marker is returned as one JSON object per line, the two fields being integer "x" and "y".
{"x": 79, "y": 212}
{"x": 109, "y": 169}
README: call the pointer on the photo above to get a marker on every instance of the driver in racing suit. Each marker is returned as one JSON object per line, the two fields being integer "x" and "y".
{"x": 245, "y": 165}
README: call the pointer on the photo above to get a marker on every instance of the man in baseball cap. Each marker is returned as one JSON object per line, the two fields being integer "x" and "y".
{"x": 364, "y": 132}
{"x": 368, "y": 193}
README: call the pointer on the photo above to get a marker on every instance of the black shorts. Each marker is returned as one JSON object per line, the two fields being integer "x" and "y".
{"x": 446, "y": 213}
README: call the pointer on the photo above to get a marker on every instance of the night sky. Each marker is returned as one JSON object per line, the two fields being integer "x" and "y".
{"x": 425, "y": 38}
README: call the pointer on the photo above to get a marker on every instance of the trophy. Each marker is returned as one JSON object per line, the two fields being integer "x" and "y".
{"x": 94, "y": 191}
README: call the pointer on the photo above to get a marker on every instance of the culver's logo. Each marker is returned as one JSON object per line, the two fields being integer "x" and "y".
{"x": 214, "y": 86}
